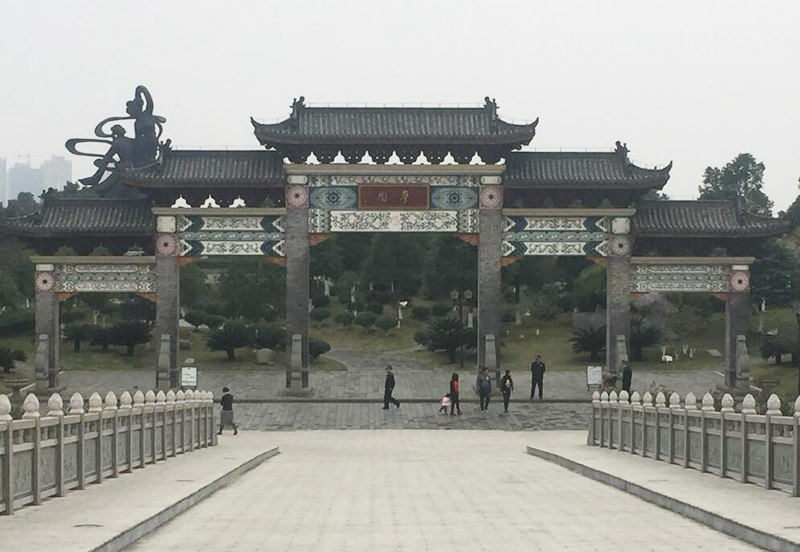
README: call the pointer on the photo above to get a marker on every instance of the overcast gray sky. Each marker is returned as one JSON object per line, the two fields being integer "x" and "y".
{"x": 696, "y": 82}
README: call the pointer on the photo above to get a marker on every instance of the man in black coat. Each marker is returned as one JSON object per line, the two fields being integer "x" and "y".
{"x": 626, "y": 376}
{"x": 387, "y": 390}
{"x": 537, "y": 375}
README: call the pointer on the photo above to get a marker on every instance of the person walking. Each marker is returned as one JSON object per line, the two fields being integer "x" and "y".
{"x": 484, "y": 385}
{"x": 626, "y": 376}
{"x": 388, "y": 388}
{"x": 454, "y": 391}
{"x": 226, "y": 418}
{"x": 537, "y": 376}
{"x": 506, "y": 386}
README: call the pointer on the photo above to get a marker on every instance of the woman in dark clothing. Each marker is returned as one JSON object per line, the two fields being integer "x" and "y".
{"x": 454, "y": 390}
{"x": 506, "y": 385}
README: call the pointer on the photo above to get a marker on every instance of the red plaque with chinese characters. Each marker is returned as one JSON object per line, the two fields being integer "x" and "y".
{"x": 401, "y": 197}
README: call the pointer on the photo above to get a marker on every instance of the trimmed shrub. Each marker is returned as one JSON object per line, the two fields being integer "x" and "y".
{"x": 78, "y": 333}
{"x": 101, "y": 337}
{"x": 441, "y": 309}
{"x": 422, "y": 338}
{"x": 420, "y": 313}
{"x": 269, "y": 337}
{"x": 375, "y": 307}
{"x": 129, "y": 334}
{"x": 386, "y": 323}
{"x": 366, "y": 319}
{"x": 196, "y": 318}
{"x": 214, "y": 321}
{"x": 345, "y": 318}
{"x": 508, "y": 317}
{"x": 229, "y": 337}
{"x": 321, "y": 302}
{"x": 317, "y": 347}
{"x": 9, "y": 357}
{"x": 320, "y": 314}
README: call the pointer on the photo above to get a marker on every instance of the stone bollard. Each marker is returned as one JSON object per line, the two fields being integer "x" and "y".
{"x": 210, "y": 396}
{"x": 5, "y": 409}
{"x": 749, "y": 405}
{"x": 797, "y": 407}
{"x": 773, "y": 405}
{"x": 708, "y": 403}
{"x": 675, "y": 401}
{"x": 111, "y": 401}
{"x": 95, "y": 403}
{"x": 691, "y": 401}
{"x": 76, "y": 404}
{"x": 125, "y": 401}
{"x": 727, "y": 403}
{"x": 31, "y": 406}
{"x": 55, "y": 405}
{"x": 189, "y": 395}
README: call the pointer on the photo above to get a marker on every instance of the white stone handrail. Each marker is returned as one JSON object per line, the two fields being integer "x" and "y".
{"x": 705, "y": 439}
{"x": 142, "y": 428}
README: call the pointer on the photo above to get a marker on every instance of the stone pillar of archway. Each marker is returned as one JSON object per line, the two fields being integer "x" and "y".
{"x": 489, "y": 269}
{"x": 167, "y": 298}
{"x": 737, "y": 322}
{"x": 47, "y": 323}
{"x": 297, "y": 277}
{"x": 618, "y": 310}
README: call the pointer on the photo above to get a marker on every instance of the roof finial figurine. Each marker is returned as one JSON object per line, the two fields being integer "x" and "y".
{"x": 622, "y": 148}
{"x": 124, "y": 152}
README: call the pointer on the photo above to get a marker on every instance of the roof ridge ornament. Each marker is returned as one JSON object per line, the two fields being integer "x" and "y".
{"x": 124, "y": 152}
{"x": 621, "y": 149}
{"x": 491, "y": 106}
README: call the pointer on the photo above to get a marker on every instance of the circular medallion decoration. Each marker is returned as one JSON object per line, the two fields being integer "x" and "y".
{"x": 166, "y": 244}
{"x": 296, "y": 196}
{"x": 740, "y": 281}
{"x": 620, "y": 246}
{"x": 491, "y": 197}
{"x": 45, "y": 281}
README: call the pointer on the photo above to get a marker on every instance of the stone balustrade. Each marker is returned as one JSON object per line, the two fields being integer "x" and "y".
{"x": 763, "y": 449}
{"x": 77, "y": 444}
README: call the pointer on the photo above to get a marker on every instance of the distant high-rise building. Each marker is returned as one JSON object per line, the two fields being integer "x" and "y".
{"x": 24, "y": 178}
{"x": 3, "y": 183}
{"x": 56, "y": 171}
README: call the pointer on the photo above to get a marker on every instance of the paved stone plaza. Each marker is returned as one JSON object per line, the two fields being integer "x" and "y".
{"x": 364, "y": 379}
{"x": 422, "y": 490}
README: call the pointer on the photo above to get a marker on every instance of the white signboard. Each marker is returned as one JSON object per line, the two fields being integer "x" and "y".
{"x": 189, "y": 376}
{"x": 594, "y": 376}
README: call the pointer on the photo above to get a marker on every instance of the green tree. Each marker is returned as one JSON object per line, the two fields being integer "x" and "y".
{"x": 196, "y": 318}
{"x": 101, "y": 337}
{"x": 253, "y": 289}
{"x": 229, "y": 337}
{"x": 78, "y": 333}
{"x": 395, "y": 261}
{"x": 345, "y": 318}
{"x": 590, "y": 339}
{"x": 644, "y": 333}
{"x": 589, "y": 288}
{"x": 193, "y": 285}
{"x": 10, "y": 295}
{"x": 775, "y": 275}
{"x": 385, "y": 322}
{"x": 448, "y": 334}
{"x": 451, "y": 264}
{"x": 9, "y": 358}
{"x": 129, "y": 334}
{"x": 742, "y": 178}
{"x": 326, "y": 259}
{"x": 25, "y": 204}
{"x": 317, "y": 347}
{"x": 366, "y": 319}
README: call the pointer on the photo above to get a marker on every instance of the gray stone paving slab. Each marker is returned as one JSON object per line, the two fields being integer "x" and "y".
{"x": 420, "y": 491}
{"x": 767, "y": 518}
{"x": 365, "y": 376}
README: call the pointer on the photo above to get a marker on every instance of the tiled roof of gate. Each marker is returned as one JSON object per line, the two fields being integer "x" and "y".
{"x": 218, "y": 168}
{"x": 533, "y": 169}
{"x": 394, "y": 125}
{"x": 98, "y": 217}
{"x": 702, "y": 218}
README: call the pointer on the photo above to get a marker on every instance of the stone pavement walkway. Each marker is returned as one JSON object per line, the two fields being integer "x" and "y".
{"x": 365, "y": 377}
{"x": 422, "y": 490}
{"x": 771, "y": 513}
{"x": 522, "y": 416}
{"x": 87, "y": 519}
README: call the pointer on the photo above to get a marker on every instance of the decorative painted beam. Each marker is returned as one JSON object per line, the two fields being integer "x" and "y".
{"x": 101, "y": 274}
{"x": 717, "y": 275}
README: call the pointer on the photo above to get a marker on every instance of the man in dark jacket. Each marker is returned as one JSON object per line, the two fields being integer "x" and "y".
{"x": 484, "y": 385}
{"x": 226, "y": 417}
{"x": 537, "y": 375}
{"x": 387, "y": 390}
{"x": 626, "y": 376}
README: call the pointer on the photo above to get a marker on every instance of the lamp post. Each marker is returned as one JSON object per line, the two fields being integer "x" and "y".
{"x": 460, "y": 298}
